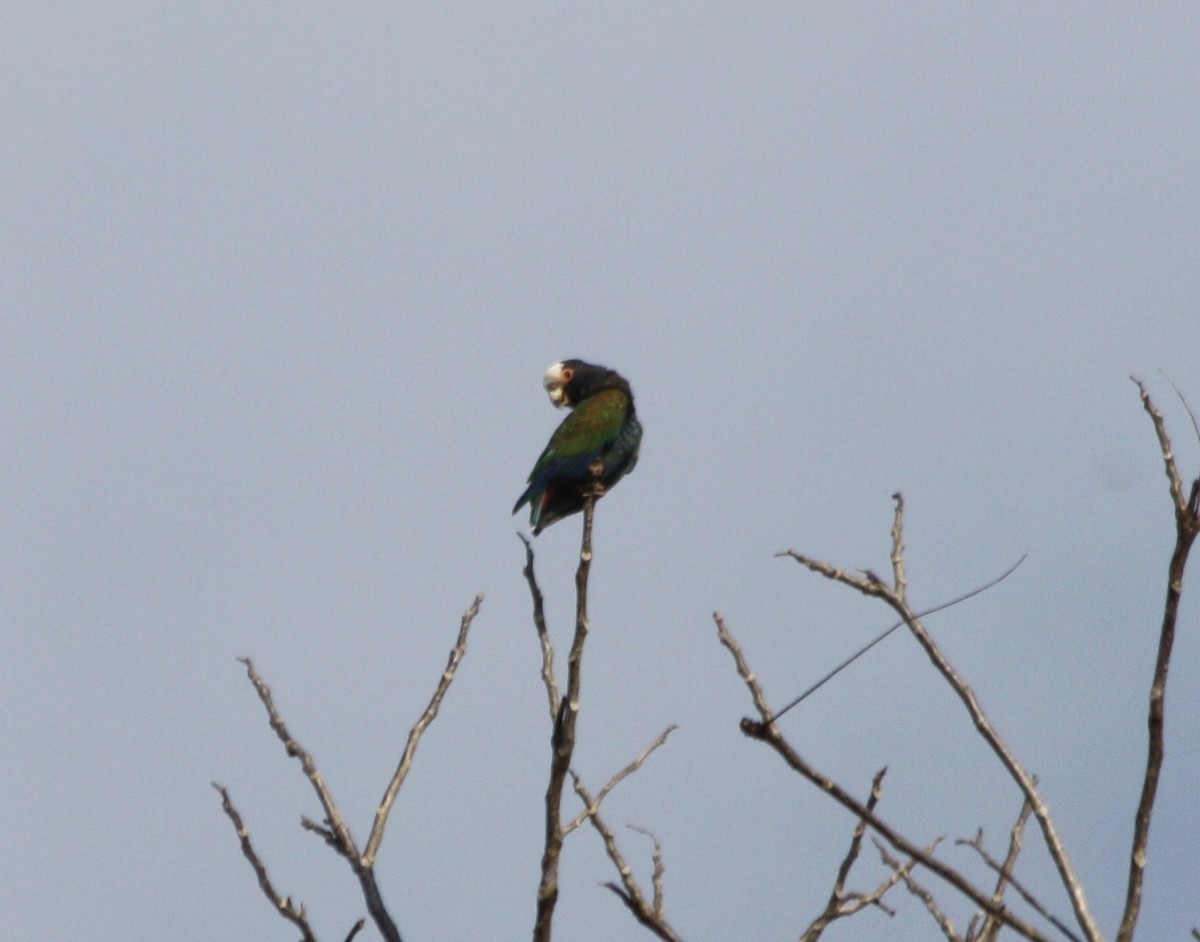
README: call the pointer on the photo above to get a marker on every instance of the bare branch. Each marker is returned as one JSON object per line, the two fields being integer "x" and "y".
{"x": 562, "y": 737}
{"x": 766, "y": 732}
{"x": 1186, "y": 405}
{"x": 296, "y": 915}
{"x": 618, "y": 778}
{"x": 1164, "y": 442}
{"x": 337, "y": 832}
{"x": 920, "y": 892}
{"x": 650, "y": 915}
{"x": 355, "y": 930}
{"x": 1007, "y": 877}
{"x": 989, "y": 928}
{"x": 899, "y": 577}
{"x": 414, "y": 737}
{"x": 1187, "y": 525}
{"x": 342, "y": 841}
{"x": 841, "y": 903}
{"x": 660, "y": 867}
{"x": 1058, "y": 853}
{"x": 539, "y": 622}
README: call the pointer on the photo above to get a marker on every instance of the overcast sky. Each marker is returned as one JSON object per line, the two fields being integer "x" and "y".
{"x": 279, "y": 287}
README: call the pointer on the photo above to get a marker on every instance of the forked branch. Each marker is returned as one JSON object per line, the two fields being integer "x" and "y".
{"x": 334, "y": 830}
{"x": 766, "y": 731}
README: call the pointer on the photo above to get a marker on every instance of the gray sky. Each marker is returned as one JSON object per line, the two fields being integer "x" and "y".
{"x": 279, "y": 286}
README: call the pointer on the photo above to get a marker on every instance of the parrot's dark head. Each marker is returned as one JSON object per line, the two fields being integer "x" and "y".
{"x": 569, "y": 382}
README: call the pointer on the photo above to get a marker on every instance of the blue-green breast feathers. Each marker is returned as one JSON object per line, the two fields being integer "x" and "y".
{"x": 602, "y": 431}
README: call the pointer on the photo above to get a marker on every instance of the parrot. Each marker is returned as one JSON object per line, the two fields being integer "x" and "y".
{"x": 598, "y": 440}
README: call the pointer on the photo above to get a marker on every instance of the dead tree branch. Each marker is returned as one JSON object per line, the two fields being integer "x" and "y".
{"x": 1187, "y": 525}
{"x": 841, "y": 903}
{"x": 414, "y": 736}
{"x": 1007, "y": 877}
{"x": 539, "y": 622}
{"x": 919, "y": 891}
{"x": 334, "y": 830}
{"x": 766, "y": 731}
{"x": 989, "y": 928}
{"x": 566, "y": 711}
{"x": 296, "y": 915}
{"x": 617, "y": 779}
{"x": 871, "y": 585}
{"x": 649, "y": 914}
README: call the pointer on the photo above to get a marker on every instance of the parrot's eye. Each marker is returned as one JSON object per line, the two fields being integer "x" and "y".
{"x": 567, "y": 375}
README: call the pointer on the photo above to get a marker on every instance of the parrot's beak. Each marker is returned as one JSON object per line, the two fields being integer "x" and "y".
{"x": 555, "y": 382}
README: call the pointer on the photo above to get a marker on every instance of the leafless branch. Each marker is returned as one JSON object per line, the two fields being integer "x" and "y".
{"x": 766, "y": 732}
{"x": 841, "y": 903}
{"x": 355, "y": 930}
{"x": 414, "y": 736}
{"x": 618, "y": 778}
{"x": 539, "y": 622}
{"x": 334, "y": 830}
{"x": 872, "y": 586}
{"x": 660, "y": 867}
{"x": 1187, "y": 525}
{"x": 649, "y": 914}
{"x": 899, "y": 577}
{"x": 562, "y": 737}
{"x": 920, "y": 892}
{"x": 989, "y": 928}
{"x": 296, "y": 915}
{"x": 342, "y": 841}
{"x": 1006, "y": 876}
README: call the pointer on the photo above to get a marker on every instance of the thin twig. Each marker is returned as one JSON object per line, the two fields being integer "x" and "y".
{"x": 920, "y": 892}
{"x": 355, "y": 930}
{"x": 539, "y": 622}
{"x": 649, "y": 914}
{"x": 660, "y": 868}
{"x": 1008, "y": 877}
{"x": 989, "y": 928}
{"x": 1187, "y": 525}
{"x": 899, "y": 577}
{"x": 841, "y": 903}
{"x": 766, "y": 731}
{"x": 296, "y": 915}
{"x": 343, "y": 841}
{"x": 414, "y": 737}
{"x": 618, "y": 778}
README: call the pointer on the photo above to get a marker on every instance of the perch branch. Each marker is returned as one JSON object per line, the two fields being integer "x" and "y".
{"x": 562, "y": 737}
